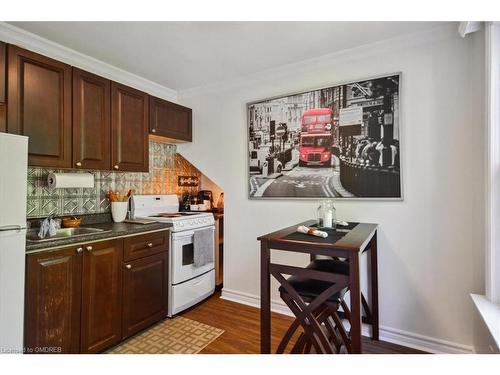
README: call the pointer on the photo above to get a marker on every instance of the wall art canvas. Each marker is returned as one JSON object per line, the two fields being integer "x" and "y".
{"x": 341, "y": 141}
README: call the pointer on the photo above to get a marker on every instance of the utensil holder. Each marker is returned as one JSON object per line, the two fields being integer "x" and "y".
{"x": 119, "y": 211}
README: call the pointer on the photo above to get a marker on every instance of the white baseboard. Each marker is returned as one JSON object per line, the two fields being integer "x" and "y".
{"x": 392, "y": 335}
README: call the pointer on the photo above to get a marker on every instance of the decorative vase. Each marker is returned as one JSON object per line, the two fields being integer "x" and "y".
{"x": 119, "y": 211}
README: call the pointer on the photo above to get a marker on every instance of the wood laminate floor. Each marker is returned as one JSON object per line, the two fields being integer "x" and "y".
{"x": 241, "y": 324}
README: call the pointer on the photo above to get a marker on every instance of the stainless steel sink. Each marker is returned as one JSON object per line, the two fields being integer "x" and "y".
{"x": 32, "y": 234}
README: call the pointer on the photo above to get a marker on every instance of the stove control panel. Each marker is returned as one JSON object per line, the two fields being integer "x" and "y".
{"x": 193, "y": 222}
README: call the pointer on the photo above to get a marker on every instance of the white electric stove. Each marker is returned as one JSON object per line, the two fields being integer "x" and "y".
{"x": 188, "y": 284}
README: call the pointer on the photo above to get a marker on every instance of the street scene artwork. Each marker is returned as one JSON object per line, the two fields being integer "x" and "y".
{"x": 336, "y": 142}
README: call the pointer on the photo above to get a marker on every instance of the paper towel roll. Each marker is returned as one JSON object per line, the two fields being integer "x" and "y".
{"x": 70, "y": 180}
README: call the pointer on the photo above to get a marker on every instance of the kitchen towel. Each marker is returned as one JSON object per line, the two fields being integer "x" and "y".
{"x": 203, "y": 243}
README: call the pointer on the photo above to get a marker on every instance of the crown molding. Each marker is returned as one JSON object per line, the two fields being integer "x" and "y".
{"x": 388, "y": 46}
{"x": 22, "y": 38}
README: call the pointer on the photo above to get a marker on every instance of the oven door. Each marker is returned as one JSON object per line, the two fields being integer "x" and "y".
{"x": 182, "y": 257}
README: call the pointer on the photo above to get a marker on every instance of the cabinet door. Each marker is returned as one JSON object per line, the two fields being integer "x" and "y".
{"x": 170, "y": 120}
{"x": 129, "y": 126}
{"x": 53, "y": 297}
{"x": 101, "y": 295}
{"x": 39, "y": 92}
{"x": 91, "y": 121}
{"x": 144, "y": 292}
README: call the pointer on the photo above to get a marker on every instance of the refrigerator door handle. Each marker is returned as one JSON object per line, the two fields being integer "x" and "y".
{"x": 10, "y": 227}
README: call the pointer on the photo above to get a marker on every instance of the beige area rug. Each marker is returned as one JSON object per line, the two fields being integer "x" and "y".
{"x": 171, "y": 336}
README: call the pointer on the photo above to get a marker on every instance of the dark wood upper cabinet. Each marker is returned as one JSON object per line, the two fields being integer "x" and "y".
{"x": 53, "y": 298}
{"x": 129, "y": 129}
{"x": 170, "y": 120}
{"x": 144, "y": 292}
{"x": 91, "y": 121}
{"x": 101, "y": 296}
{"x": 3, "y": 71}
{"x": 39, "y": 106}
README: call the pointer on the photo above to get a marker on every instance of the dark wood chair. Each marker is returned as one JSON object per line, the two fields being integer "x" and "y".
{"x": 340, "y": 267}
{"x": 315, "y": 304}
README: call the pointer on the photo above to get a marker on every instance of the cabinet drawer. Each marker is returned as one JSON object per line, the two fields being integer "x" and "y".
{"x": 144, "y": 245}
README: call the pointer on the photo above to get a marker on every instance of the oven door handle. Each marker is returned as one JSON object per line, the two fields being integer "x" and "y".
{"x": 179, "y": 235}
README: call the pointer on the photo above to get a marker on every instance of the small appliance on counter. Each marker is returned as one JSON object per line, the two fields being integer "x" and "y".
{"x": 186, "y": 201}
{"x": 205, "y": 197}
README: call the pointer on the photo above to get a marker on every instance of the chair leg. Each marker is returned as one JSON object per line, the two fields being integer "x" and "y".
{"x": 305, "y": 317}
{"x": 341, "y": 330}
{"x": 330, "y": 327}
{"x": 366, "y": 307}
{"x": 307, "y": 320}
{"x": 299, "y": 346}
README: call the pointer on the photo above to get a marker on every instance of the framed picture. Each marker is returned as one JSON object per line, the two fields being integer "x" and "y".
{"x": 340, "y": 141}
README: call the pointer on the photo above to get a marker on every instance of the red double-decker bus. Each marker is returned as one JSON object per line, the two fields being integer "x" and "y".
{"x": 316, "y": 137}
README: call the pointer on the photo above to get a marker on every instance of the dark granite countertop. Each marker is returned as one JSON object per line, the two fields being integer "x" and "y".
{"x": 114, "y": 230}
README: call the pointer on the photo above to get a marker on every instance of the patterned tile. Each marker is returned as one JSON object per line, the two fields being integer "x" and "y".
{"x": 32, "y": 207}
{"x": 72, "y": 192}
{"x": 32, "y": 187}
{"x": 90, "y": 191}
{"x": 33, "y": 173}
{"x": 104, "y": 204}
{"x": 88, "y": 205}
{"x": 50, "y": 206}
{"x": 165, "y": 166}
{"x": 157, "y": 188}
{"x": 70, "y": 205}
{"x": 106, "y": 185}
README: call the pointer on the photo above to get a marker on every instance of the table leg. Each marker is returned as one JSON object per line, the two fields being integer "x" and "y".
{"x": 374, "y": 286}
{"x": 355, "y": 296}
{"x": 265, "y": 298}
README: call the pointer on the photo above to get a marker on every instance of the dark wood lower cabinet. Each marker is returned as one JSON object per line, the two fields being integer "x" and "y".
{"x": 144, "y": 292}
{"x": 101, "y": 296}
{"x": 86, "y": 299}
{"x": 53, "y": 299}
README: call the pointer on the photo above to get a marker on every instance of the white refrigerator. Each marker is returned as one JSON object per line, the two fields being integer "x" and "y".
{"x": 13, "y": 186}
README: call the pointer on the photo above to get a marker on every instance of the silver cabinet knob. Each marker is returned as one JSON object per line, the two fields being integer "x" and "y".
{"x": 116, "y": 166}
{"x": 128, "y": 266}
{"x": 89, "y": 248}
{"x": 78, "y": 163}
{"x": 79, "y": 250}
{"x": 153, "y": 130}
{"x": 150, "y": 244}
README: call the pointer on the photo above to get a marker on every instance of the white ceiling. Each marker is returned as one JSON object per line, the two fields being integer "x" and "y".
{"x": 183, "y": 55}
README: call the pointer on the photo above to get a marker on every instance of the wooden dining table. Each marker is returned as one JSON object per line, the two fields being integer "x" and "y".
{"x": 348, "y": 242}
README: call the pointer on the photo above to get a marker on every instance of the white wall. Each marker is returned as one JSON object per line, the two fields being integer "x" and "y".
{"x": 430, "y": 244}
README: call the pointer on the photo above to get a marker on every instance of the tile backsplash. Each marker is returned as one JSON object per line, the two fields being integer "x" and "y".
{"x": 165, "y": 165}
